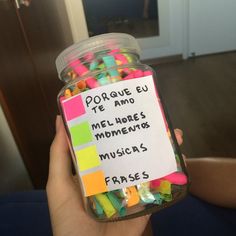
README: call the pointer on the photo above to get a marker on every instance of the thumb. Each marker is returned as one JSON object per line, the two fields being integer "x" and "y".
{"x": 179, "y": 136}
{"x": 60, "y": 161}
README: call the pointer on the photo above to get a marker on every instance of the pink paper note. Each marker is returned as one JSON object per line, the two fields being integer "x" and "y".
{"x": 73, "y": 108}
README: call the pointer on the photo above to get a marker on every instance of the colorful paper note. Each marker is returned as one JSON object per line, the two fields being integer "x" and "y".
{"x": 73, "y": 108}
{"x": 87, "y": 158}
{"x": 81, "y": 134}
{"x": 94, "y": 183}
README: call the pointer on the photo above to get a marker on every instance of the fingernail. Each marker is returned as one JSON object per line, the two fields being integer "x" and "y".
{"x": 180, "y": 132}
{"x": 58, "y": 122}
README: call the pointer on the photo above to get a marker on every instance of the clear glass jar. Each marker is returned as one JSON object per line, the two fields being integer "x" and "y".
{"x": 123, "y": 146}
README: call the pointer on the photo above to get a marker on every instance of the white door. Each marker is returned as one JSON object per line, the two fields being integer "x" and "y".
{"x": 212, "y": 26}
{"x": 168, "y": 42}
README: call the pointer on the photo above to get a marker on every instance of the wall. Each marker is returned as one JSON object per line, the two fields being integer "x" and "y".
{"x": 13, "y": 175}
{"x": 212, "y": 26}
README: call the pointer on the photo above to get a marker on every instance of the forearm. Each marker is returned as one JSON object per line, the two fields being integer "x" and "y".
{"x": 213, "y": 180}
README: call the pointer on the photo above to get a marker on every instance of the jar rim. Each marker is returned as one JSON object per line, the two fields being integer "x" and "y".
{"x": 96, "y": 44}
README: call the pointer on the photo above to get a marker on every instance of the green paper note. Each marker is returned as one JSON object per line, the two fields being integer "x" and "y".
{"x": 81, "y": 134}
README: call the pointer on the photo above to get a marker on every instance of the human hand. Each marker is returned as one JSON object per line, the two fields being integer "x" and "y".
{"x": 67, "y": 213}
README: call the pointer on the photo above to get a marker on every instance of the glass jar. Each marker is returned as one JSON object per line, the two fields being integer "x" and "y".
{"x": 123, "y": 147}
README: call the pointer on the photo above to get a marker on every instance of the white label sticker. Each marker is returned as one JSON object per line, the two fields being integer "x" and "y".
{"x": 119, "y": 135}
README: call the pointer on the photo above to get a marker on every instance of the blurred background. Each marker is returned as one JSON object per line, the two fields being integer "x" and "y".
{"x": 191, "y": 45}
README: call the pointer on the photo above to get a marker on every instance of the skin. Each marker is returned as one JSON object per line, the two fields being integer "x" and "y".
{"x": 67, "y": 214}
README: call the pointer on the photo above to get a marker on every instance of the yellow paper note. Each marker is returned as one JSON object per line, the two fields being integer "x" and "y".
{"x": 88, "y": 158}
